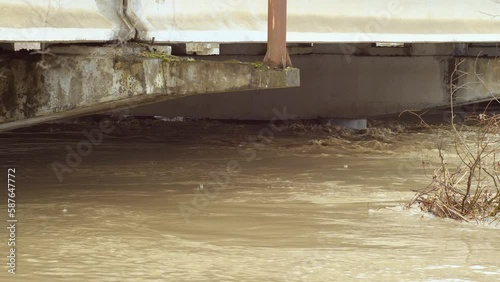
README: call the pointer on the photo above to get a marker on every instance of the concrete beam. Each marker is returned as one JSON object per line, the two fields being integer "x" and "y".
{"x": 277, "y": 54}
{"x": 63, "y": 21}
{"x": 73, "y": 81}
{"x": 338, "y": 86}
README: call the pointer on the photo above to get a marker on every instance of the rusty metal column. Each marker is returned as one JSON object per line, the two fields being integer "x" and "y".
{"x": 277, "y": 55}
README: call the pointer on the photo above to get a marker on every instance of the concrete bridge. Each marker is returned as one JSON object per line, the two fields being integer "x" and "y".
{"x": 357, "y": 58}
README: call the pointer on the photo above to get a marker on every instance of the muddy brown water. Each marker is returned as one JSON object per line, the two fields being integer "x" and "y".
{"x": 296, "y": 205}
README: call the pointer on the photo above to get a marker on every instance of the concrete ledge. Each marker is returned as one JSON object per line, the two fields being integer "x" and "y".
{"x": 352, "y": 87}
{"x": 41, "y": 88}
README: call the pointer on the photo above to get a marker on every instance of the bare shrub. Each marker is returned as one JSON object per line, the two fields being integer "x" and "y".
{"x": 471, "y": 190}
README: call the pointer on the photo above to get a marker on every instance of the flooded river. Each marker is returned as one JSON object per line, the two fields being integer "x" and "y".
{"x": 207, "y": 201}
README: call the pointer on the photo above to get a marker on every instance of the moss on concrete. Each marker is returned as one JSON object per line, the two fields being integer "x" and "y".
{"x": 165, "y": 57}
{"x": 257, "y": 65}
{"x": 171, "y": 58}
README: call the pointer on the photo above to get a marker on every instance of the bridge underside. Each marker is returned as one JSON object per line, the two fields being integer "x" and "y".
{"x": 78, "y": 80}
{"x": 340, "y": 81}
{"x": 405, "y": 55}
{"x": 337, "y": 81}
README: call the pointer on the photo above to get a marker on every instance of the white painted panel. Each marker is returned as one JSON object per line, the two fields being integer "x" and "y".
{"x": 219, "y": 21}
{"x": 319, "y": 20}
{"x": 60, "y": 21}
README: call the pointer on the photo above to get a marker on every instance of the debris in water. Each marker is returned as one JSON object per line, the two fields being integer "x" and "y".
{"x": 471, "y": 191}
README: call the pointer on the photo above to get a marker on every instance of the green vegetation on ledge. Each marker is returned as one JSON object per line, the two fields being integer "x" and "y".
{"x": 166, "y": 57}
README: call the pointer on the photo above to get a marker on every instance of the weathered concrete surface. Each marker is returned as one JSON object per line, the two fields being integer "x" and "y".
{"x": 357, "y": 124}
{"x": 349, "y": 87}
{"x": 476, "y": 80}
{"x": 334, "y": 21}
{"x": 39, "y": 88}
{"x": 63, "y": 21}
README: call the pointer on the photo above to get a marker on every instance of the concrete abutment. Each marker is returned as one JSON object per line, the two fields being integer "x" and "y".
{"x": 350, "y": 87}
{"x": 70, "y": 81}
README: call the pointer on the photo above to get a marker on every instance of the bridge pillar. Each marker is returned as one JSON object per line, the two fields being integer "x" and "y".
{"x": 277, "y": 55}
